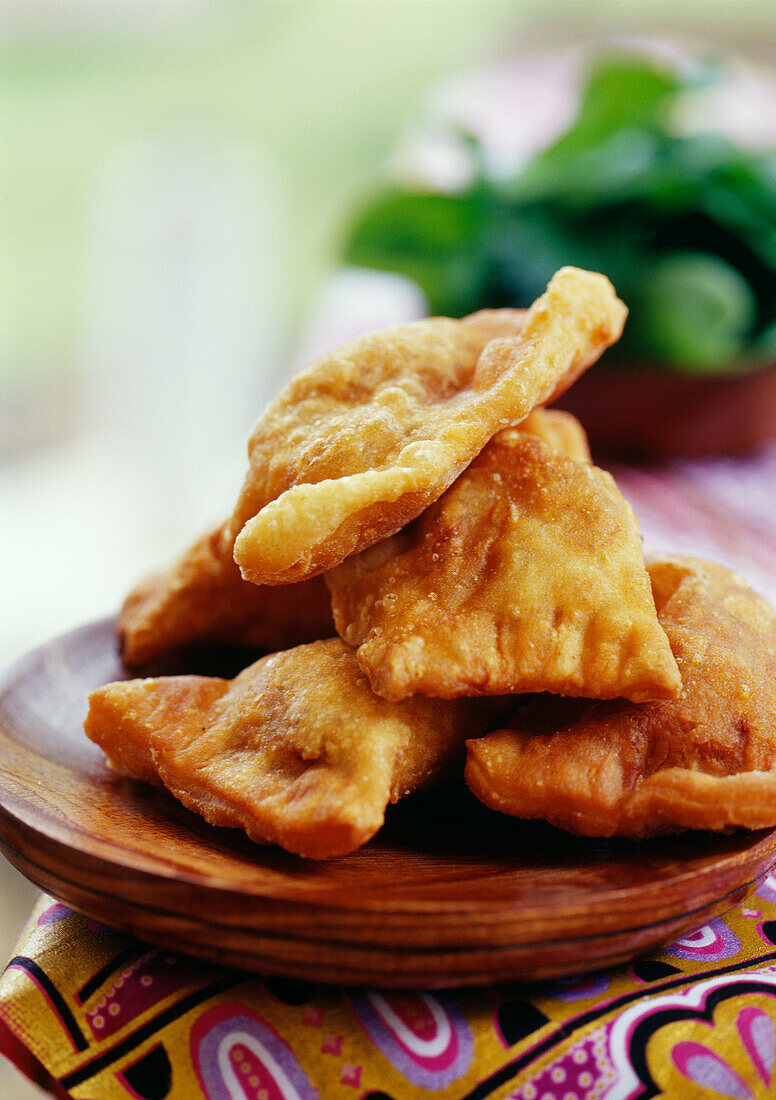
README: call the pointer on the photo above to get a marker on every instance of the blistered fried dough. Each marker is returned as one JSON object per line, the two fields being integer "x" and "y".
{"x": 559, "y": 430}
{"x": 203, "y": 599}
{"x": 527, "y": 575}
{"x": 296, "y": 750}
{"x": 366, "y": 438}
{"x": 706, "y": 760}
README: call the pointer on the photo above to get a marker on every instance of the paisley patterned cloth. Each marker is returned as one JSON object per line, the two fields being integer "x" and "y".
{"x": 97, "y": 1015}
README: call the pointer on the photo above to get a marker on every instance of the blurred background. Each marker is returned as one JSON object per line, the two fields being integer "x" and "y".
{"x": 180, "y": 183}
{"x": 185, "y": 189}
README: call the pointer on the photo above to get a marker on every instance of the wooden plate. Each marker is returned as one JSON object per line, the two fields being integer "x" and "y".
{"x": 448, "y": 894}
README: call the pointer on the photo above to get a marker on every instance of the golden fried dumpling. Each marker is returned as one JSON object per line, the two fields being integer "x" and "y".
{"x": 296, "y": 750}
{"x": 560, "y": 430}
{"x": 526, "y": 576}
{"x": 362, "y": 441}
{"x": 705, "y": 760}
{"x": 203, "y": 600}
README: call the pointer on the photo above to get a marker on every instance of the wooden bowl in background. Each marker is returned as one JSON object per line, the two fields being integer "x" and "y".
{"x": 647, "y": 413}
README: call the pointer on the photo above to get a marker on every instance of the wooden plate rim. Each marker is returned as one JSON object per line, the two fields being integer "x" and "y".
{"x": 353, "y": 928}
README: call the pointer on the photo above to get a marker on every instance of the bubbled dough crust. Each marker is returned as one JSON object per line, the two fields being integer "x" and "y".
{"x": 526, "y": 576}
{"x": 357, "y": 445}
{"x": 297, "y": 750}
{"x": 705, "y": 760}
{"x": 560, "y": 430}
{"x": 203, "y": 600}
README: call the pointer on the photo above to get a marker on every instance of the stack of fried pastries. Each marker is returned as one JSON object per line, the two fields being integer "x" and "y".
{"x": 410, "y": 493}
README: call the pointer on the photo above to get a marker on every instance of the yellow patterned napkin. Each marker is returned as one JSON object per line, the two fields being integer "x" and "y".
{"x": 109, "y": 1018}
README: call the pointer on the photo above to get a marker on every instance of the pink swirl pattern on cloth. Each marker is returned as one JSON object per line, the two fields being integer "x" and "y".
{"x": 696, "y": 1021}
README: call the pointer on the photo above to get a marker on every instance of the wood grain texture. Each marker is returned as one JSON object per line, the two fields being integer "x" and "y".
{"x": 448, "y": 893}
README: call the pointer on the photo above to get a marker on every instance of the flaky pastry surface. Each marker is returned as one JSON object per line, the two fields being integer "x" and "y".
{"x": 705, "y": 760}
{"x": 527, "y": 575}
{"x": 296, "y": 750}
{"x": 357, "y": 445}
{"x": 560, "y": 430}
{"x": 203, "y": 600}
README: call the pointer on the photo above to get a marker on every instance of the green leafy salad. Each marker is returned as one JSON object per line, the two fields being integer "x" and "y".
{"x": 684, "y": 226}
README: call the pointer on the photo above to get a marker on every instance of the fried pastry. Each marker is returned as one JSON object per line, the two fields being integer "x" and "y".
{"x": 296, "y": 750}
{"x": 357, "y": 445}
{"x": 560, "y": 430}
{"x": 705, "y": 760}
{"x": 203, "y": 600}
{"x": 526, "y": 576}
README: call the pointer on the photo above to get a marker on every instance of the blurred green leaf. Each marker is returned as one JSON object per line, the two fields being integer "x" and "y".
{"x": 623, "y": 93}
{"x": 696, "y": 311}
{"x": 764, "y": 347}
{"x": 437, "y": 240}
{"x": 685, "y": 226}
{"x": 610, "y": 171}
{"x": 531, "y": 243}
